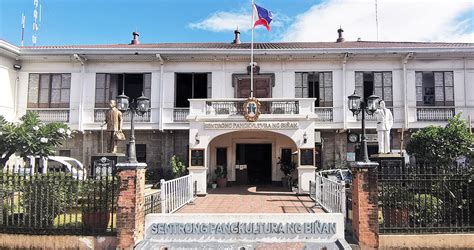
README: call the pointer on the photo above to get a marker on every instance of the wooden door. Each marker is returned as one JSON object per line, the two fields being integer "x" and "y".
{"x": 262, "y": 88}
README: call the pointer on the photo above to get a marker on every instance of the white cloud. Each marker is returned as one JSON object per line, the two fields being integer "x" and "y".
{"x": 227, "y": 21}
{"x": 224, "y": 21}
{"x": 399, "y": 20}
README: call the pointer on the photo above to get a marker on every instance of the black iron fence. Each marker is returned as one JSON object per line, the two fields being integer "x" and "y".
{"x": 425, "y": 198}
{"x": 153, "y": 203}
{"x": 57, "y": 199}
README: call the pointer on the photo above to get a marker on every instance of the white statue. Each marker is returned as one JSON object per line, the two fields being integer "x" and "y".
{"x": 384, "y": 124}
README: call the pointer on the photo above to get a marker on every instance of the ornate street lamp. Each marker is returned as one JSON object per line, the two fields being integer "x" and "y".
{"x": 357, "y": 105}
{"x": 139, "y": 106}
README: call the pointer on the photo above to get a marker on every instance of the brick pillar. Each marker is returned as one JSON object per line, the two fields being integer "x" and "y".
{"x": 130, "y": 205}
{"x": 365, "y": 204}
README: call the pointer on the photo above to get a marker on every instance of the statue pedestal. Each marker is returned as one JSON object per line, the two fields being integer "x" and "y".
{"x": 389, "y": 163}
{"x": 104, "y": 163}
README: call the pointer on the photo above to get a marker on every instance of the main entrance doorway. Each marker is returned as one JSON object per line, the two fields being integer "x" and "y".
{"x": 253, "y": 164}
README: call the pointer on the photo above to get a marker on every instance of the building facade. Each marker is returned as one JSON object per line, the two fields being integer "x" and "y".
{"x": 197, "y": 92}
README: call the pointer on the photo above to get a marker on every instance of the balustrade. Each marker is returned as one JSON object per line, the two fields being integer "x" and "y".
{"x": 52, "y": 114}
{"x": 435, "y": 113}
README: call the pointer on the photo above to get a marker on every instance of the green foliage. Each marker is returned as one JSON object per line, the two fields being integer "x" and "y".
{"x": 287, "y": 167}
{"x": 47, "y": 196}
{"x": 426, "y": 209}
{"x": 30, "y": 137}
{"x": 178, "y": 168}
{"x": 442, "y": 145}
{"x": 221, "y": 172}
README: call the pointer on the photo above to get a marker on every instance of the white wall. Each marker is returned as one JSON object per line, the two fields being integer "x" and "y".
{"x": 8, "y": 77}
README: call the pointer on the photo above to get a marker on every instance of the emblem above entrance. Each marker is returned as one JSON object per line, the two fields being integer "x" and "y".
{"x": 251, "y": 109}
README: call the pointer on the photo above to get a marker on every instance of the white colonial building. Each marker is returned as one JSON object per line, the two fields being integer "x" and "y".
{"x": 197, "y": 91}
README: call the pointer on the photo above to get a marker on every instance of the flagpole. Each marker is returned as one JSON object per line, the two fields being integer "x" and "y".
{"x": 251, "y": 53}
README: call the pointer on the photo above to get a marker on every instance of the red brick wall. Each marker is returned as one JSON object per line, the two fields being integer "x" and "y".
{"x": 130, "y": 207}
{"x": 365, "y": 208}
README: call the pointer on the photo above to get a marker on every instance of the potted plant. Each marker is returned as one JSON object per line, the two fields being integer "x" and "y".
{"x": 214, "y": 185}
{"x": 97, "y": 202}
{"x": 287, "y": 168}
{"x": 221, "y": 175}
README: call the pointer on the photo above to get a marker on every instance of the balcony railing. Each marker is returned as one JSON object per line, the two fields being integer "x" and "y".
{"x": 434, "y": 113}
{"x": 324, "y": 114}
{"x": 51, "y": 114}
{"x": 99, "y": 116}
{"x": 371, "y": 117}
{"x": 180, "y": 114}
{"x": 235, "y": 107}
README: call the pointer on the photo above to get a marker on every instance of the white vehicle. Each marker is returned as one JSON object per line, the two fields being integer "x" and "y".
{"x": 52, "y": 164}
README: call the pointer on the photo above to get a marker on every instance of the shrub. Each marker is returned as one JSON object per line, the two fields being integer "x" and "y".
{"x": 221, "y": 171}
{"x": 178, "y": 168}
{"x": 426, "y": 209}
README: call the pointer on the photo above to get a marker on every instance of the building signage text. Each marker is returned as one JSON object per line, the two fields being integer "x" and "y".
{"x": 240, "y": 228}
{"x": 251, "y": 125}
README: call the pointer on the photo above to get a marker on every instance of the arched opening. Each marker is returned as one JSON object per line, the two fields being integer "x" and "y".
{"x": 250, "y": 156}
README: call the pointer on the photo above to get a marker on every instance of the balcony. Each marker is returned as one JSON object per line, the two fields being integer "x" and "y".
{"x": 434, "y": 113}
{"x": 324, "y": 114}
{"x": 270, "y": 108}
{"x": 99, "y": 116}
{"x": 180, "y": 114}
{"x": 235, "y": 107}
{"x": 51, "y": 114}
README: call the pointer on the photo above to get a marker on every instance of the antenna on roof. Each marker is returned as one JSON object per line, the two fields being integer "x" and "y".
{"x": 376, "y": 21}
{"x": 35, "y": 23}
{"x": 22, "y": 29}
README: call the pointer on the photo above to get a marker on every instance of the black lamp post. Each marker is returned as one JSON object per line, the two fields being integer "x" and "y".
{"x": 139, "y": 106}
{"x": 357, "y": 105}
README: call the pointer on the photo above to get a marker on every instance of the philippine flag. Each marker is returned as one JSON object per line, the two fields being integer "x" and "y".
{"x": 263, "y": 16}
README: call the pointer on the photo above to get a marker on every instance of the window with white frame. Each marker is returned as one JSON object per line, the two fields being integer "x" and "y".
{"x": 434, "y": 88}
{"x": 49, "y": 90}
{"x": 192, "y": 86}
{"x": 109, "y": 86}
{"x": 373, "y": 82}
{"x": 315, "y": 85}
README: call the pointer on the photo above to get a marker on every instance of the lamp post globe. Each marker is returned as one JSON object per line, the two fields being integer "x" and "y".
{"x": 354, "y": 103}
{"x": 372, "y": 104}
{"x": 122, "y": 102}
{"x": 143, "y": 104}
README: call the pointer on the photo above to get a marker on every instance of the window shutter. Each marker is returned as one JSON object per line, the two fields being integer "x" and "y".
{"x": 449, "y": 88}
{"x": 33, "y": 90}
{"x": 99, "y": 90}
{"x": 209, "y": 85}
{"x": 55, "y": 91}
{"x": 44, "y": 90}
{"x": 419, "y": 88}
{"x": 327, "y": 89}
{"x": 439, "y": 88}
{"x": 298, "y": 85}
{"x": 147, "y": 85}
{"x": 359, "y": 83}
{"x": 387, "y": 88}
{"x": 65, "y": 90}
{"x": 304, "y": 89}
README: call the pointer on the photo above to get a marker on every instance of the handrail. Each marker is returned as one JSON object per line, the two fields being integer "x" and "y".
{"x": 176, "y": 193}
{"x": 329, "y": 194}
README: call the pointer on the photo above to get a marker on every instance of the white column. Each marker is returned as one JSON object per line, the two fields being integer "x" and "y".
{"x": 305, "y": 174}
{"x": 199, "y": 175}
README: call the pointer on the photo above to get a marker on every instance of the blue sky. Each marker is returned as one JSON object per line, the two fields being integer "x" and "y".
{"x": 111, "y": 22}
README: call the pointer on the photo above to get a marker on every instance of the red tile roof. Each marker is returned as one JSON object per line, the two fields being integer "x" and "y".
{"x": 267, "y": 46}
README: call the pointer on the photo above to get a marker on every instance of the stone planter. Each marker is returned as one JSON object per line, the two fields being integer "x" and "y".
{"x": 96, "y": 220}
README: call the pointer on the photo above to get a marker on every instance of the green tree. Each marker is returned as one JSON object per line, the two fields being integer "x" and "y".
{"x": 30, "y": 136}
{"x": 442, "y": 145}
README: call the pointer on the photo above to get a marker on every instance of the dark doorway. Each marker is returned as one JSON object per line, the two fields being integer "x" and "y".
{"x": 258, "y": 159}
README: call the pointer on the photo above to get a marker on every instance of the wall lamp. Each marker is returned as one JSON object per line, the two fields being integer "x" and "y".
{"x": 305, "y": 137}
{"x": 17, "y": 66}
{"x": 196, "y": 138}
